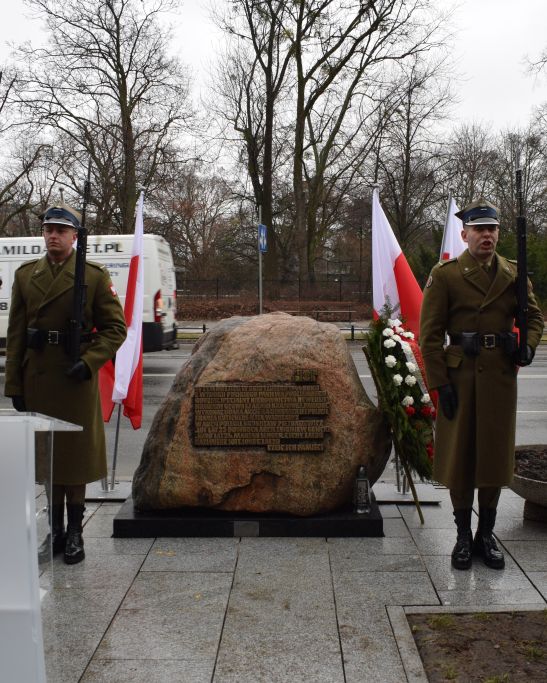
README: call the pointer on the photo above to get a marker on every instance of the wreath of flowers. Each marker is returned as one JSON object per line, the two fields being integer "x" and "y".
{"x": 397, "y": 368}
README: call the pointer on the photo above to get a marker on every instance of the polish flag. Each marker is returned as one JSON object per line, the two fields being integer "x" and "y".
{"x": 453, "y": 244}
{"x": 393, "y": 282}
{"x": 125, "y": 378}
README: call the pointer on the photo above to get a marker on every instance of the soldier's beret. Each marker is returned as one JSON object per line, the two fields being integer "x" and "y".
{"x": 61, "y": 214}
{"x": 479, "y": 212}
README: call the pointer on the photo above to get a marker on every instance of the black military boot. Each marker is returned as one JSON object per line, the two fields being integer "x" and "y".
{"x": 57, "y": 538}
{"x": 74, "y": 548}
{"x": 462, "y": 553}
{"x": 484, "y": 543}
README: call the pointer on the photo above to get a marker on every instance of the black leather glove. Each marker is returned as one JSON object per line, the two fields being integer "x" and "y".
{"x": 79, "y": 371}
{"x": 19, "y": 403}
{"x": 448, "y": 399}
{"x": 530, "y": 353}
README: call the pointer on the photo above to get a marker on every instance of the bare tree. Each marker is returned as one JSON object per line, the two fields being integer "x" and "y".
{"x": 307, "y": 66}
{"x": 251, "y": 80}
{"x": 104, "y": 79}
{"x": 472, "y": 158}
{"x": 339, "y": 48}
{"x": 412, "y": 164}
{"x": 193, "y": 210}
{"x": 16, "y": 187}
{"x": 539, "y": 64}
{"x": 525, "y": 149}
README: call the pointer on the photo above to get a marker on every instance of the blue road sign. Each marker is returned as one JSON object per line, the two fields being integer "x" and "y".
{"x": 262, "y": 238}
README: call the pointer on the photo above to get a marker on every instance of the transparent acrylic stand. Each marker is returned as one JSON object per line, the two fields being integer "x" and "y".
{"x": 25, "y": 486}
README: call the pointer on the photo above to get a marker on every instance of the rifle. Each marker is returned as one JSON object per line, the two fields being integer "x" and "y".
{"x": 522, "y": 274}
{"x": 75, "y": 323}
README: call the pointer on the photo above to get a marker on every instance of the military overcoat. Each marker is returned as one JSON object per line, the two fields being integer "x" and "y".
{"x": 42, "y": 301}
{"x": 477, "y": 446}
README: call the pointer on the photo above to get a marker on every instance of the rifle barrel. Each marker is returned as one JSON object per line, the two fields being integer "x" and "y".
{"x": 79, "y": 300}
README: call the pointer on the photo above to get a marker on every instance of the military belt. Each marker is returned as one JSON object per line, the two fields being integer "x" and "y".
{"x": 37, "y": 339}
{"x": 471, "y": 342}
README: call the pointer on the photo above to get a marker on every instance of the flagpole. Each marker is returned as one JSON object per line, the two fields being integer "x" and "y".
{"x": 127, "y": 374}
{"x": 115, "y": 456}
{"x": 446, "y": 224}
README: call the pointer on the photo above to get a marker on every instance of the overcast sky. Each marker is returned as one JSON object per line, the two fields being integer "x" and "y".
{"x": 492, "y": 39}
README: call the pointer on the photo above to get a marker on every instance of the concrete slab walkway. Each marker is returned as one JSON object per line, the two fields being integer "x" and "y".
{"x": 270, "y": 610}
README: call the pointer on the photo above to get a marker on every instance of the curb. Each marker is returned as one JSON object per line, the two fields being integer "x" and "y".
{"x": 187, "y": 334}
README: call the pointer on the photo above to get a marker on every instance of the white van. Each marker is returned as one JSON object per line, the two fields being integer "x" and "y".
{"x": 113, "y": 251}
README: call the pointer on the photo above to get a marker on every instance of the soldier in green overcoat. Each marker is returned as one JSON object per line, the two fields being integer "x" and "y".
{"x": 472, "y": 299}
{"x": 40, "y": 376}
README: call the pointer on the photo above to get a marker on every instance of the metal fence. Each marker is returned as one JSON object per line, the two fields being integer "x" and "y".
{"x": 339, "y": 289}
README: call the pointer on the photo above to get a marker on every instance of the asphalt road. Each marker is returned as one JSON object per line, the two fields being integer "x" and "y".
{"x": 161, "y": 368}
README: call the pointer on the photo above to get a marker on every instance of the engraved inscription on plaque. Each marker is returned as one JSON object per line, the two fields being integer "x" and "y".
{"x": 283, "y": 417}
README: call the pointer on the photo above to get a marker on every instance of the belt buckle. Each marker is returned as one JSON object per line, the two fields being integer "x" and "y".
{"x": 489, "y": 341}
{"x": 53, "y": 337}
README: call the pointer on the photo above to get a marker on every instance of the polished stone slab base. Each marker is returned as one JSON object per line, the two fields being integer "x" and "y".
{"x": 97, "y": 491}
{"x": 201, "y": 522}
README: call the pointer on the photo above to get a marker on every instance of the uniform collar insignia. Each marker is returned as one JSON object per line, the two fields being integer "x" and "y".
{"x": 504, "y": 277}
{"x": 472, "y": 272}
{"x": 54, "y": 287}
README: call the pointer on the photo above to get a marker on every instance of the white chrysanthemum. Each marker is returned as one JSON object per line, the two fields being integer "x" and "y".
{"x": 389, "y": 343}
{"x": 426, "y": 398}
{"x": 399, "y": 330}
{"x": 390, "y": 361}
{"x": 397, "y": 338}
{"x": 408, "y": 335}
{"x": 387, "y": 332}
{"x": 394, "y": 323}
{"x": 411, "y": 367}
{"x": 407, "y": 401}
{"x": 397, "y": 380}
{"x": 406, "y": 347}
{"x": 410, "y": 380}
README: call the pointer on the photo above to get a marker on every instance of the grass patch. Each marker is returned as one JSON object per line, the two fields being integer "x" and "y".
{"x": 441, "y": 621}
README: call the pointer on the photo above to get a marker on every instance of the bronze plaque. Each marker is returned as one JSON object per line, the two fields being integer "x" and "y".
{"x": 282, "y": 417}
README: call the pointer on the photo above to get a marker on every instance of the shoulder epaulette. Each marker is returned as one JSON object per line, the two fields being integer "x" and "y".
{"x": 28, "y": 263}
{"x": 94, "y": 264}
{"x": 450, "y": 260}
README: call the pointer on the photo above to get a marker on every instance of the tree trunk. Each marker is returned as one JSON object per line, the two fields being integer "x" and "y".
{"x": 270, "y": 257}
{"x": 128, "y": 190}
{"x": 298, "y": 164}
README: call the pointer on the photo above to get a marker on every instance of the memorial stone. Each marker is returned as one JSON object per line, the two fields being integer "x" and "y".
{"x": 268, "y": 415}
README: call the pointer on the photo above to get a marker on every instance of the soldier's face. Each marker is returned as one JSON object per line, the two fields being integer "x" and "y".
{"x": 481, "y": 240}
{"x": 59, "y": 240}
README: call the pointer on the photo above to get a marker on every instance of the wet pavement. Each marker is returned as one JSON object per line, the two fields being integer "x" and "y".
{"x": 223, "y": 610}
{"x": 270, "y": 610}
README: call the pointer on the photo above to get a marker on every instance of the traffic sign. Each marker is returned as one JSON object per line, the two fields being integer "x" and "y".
{"x": 262, "y": 238}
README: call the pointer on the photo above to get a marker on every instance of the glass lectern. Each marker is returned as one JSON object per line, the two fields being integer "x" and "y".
{"x": 26, "y": 445}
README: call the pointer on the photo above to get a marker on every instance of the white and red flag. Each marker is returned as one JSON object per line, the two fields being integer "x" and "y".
{"x": 393, "y": 282}
{"x": 123, "y": 382}
{"x": 453, "y": 244}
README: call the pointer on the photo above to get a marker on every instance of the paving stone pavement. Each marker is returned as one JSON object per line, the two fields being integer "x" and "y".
{"x": 270, "y": 610}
